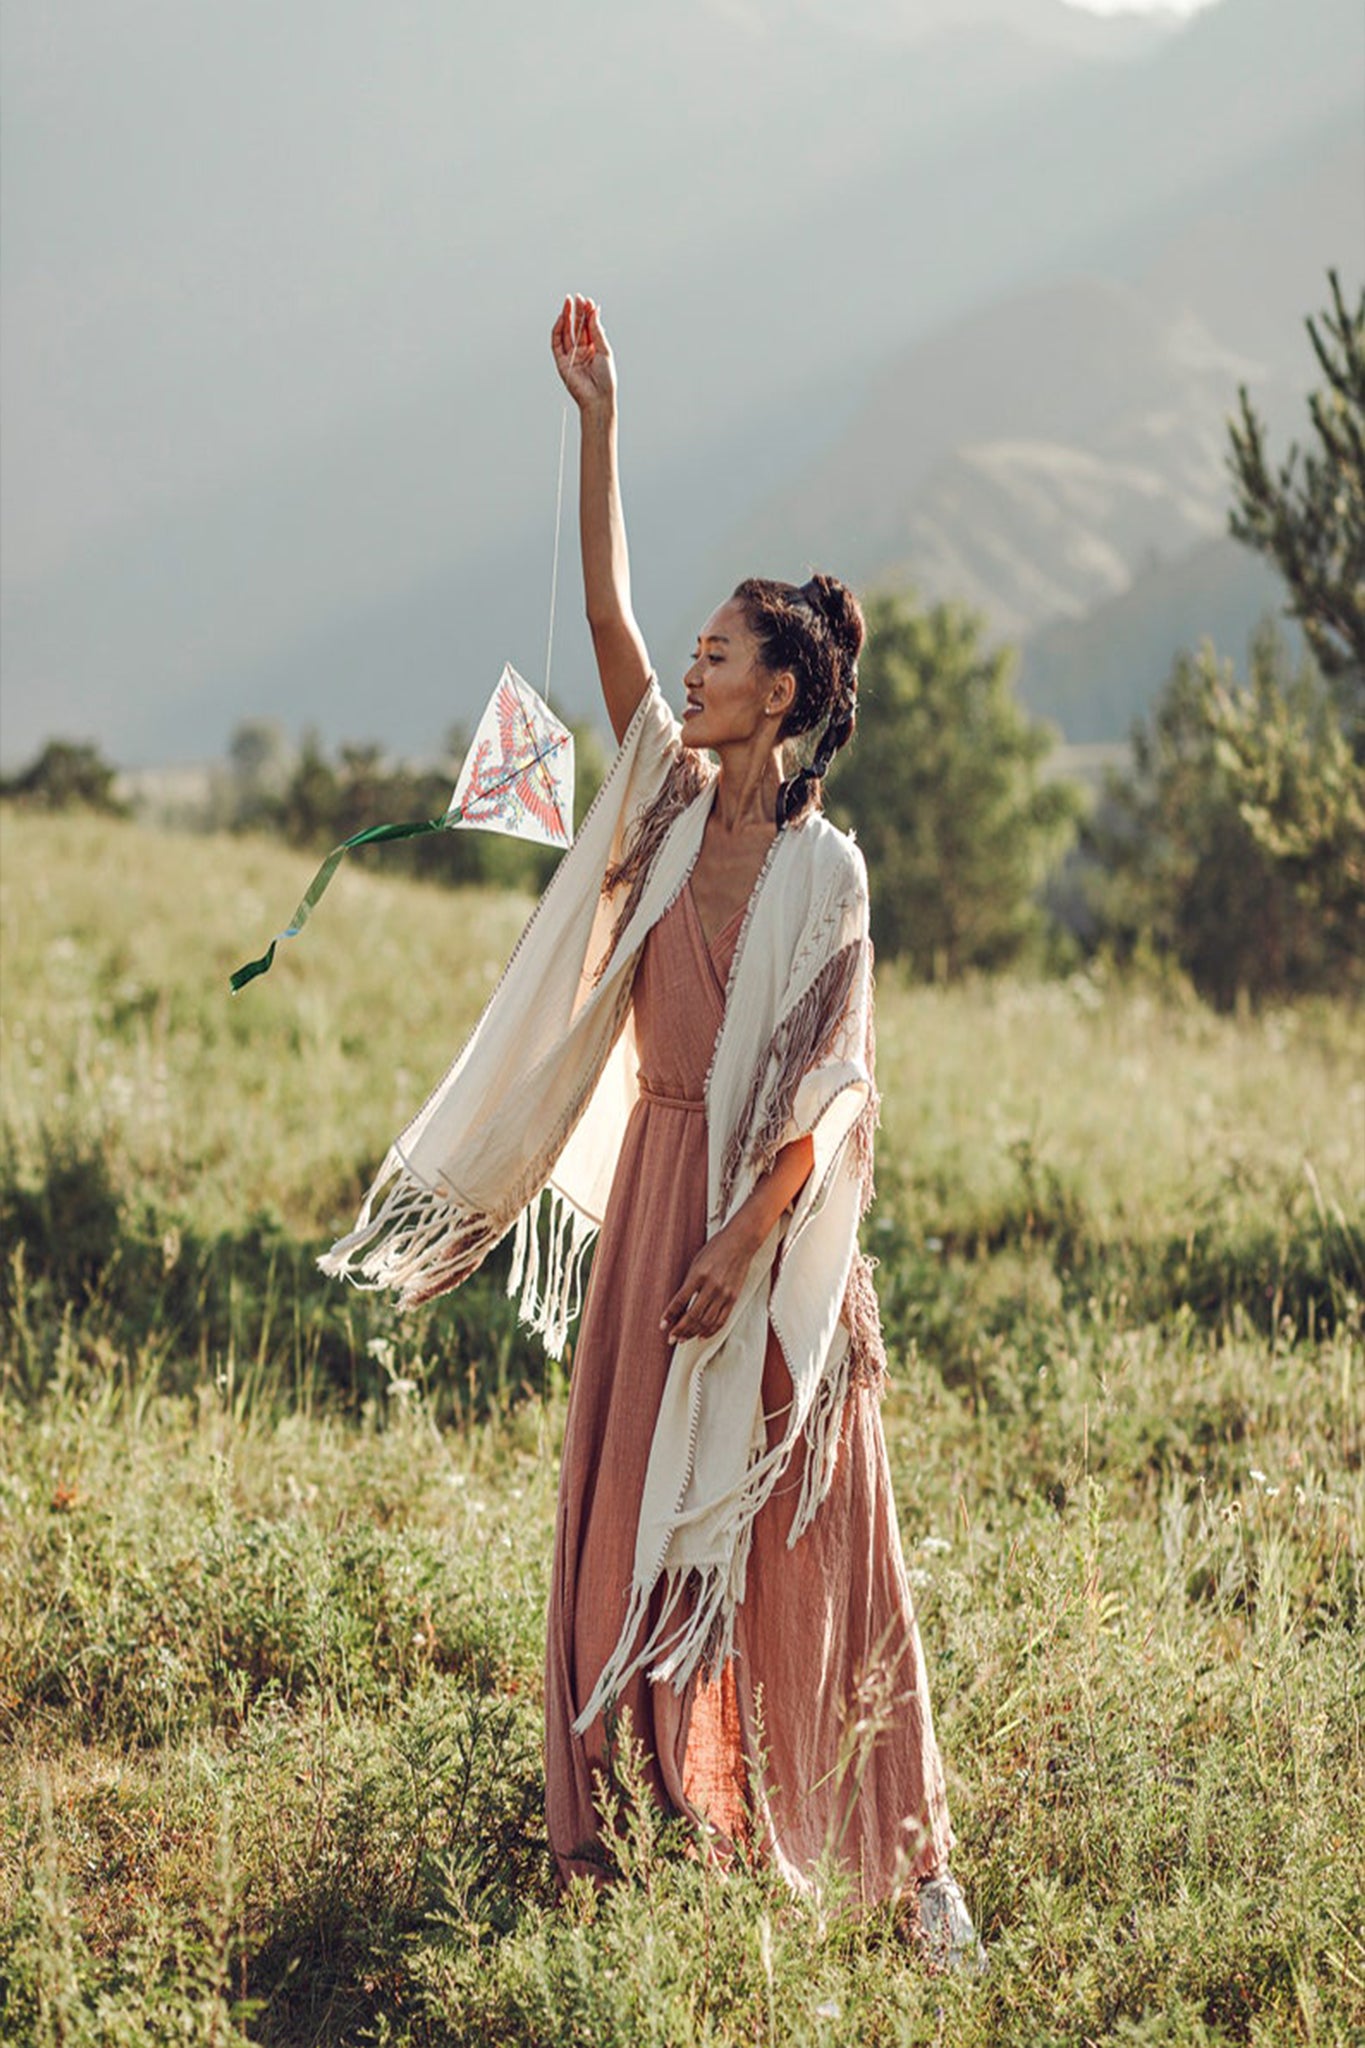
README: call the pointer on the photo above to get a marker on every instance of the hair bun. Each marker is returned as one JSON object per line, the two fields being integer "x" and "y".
{"x": 840, "y": 610}
{"x": 815, "y": 630}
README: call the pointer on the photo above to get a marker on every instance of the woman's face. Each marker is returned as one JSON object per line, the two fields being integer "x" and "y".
{"x": 730, "y": 696}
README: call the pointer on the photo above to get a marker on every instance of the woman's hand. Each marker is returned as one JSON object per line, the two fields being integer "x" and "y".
{"x": 583, "y": 355}
{"x": 583, "y": 359}
{"x": 703, "y": 1303}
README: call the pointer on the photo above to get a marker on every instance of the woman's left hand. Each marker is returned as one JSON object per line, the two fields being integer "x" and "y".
{"x": 704, "y": 1301}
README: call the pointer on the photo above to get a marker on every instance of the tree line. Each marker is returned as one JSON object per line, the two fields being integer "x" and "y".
{"x": 1232, "y": 849}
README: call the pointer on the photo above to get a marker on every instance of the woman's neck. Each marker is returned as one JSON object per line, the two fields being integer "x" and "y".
{"x": 746, "y": 793}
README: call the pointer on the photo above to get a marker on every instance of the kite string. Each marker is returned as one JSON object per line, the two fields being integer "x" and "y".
{"x": 554, "y": 562}
{"x": 559, "y": 508}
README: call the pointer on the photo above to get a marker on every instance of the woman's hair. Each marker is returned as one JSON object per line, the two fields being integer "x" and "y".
{"x": 815, "y": 629}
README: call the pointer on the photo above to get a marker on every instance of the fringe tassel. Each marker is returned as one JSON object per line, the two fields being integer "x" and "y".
{"x": 695, "y": 1627}
{"x": 525, "y": 1269}
{"x": 865, "y": 1130}
{"x": 862, "y": 1317}
{"x": 550, "y": 1285}
{"x": 798, "y": 1044}
{"x": 863, "y": 1365}
{"x": 708, "y": 1635}
{"x": 418, "y": 1242}
{"x": 625, "y": 1661}
{"x": 822, "y": 1443}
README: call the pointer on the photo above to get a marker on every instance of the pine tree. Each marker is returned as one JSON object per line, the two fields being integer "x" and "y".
{"x": 1309, "y": 515}
{"x": 943, "y": 785}
{"x": 1233, "y": 849}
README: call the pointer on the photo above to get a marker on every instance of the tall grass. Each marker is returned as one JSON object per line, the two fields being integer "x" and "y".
{"x": 273, "y": 1563}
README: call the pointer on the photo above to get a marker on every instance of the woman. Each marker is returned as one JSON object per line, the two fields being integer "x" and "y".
{"x": 679, "y": 1054}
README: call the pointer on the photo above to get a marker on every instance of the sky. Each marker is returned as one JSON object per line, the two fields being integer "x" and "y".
{"x": 1139, "y": 6}
{"x": 278, "y": 282}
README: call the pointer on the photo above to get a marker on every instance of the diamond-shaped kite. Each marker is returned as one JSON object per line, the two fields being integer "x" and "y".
{"x": 518, "y": 773}
{"x": 517, "y": 778}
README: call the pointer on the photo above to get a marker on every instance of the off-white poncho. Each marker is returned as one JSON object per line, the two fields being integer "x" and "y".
{"x": 538, "y": 1101}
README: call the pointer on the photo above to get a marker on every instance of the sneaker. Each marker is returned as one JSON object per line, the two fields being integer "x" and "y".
{"x": 946, "y": 1926}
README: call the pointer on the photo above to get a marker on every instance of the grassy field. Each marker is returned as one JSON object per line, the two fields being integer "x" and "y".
{"x": 273, "y": 1561}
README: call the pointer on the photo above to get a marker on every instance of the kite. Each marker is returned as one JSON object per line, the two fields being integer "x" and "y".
{"x": 517, "y": 778}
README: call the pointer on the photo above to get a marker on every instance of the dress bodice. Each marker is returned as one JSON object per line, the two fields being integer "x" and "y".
{"x": 679, "y": 999}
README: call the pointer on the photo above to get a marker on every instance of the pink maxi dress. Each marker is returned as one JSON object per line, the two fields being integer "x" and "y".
{"x": 816, "y": 1739}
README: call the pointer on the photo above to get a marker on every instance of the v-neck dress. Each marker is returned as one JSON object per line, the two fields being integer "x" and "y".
{"x": 767, "y": 1751}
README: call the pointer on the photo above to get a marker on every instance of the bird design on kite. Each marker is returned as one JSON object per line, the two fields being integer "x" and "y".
{"x": 510, "y": 781}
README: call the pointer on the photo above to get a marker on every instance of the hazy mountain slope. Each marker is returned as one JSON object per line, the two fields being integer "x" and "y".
{"x": 1084, "y": 364}
{"x": 1092, "y": 676}
{"x": 1027, "y": 531}
{"x": 1041, "y": 456}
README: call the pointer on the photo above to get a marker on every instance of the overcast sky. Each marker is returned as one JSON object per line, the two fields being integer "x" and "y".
{"x": 253, "y": 248}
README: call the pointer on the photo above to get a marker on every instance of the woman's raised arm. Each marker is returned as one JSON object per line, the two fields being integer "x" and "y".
{"x": 584, "y": 360}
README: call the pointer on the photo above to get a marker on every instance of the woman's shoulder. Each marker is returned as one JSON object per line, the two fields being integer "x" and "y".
{"x": 831, "y": 854}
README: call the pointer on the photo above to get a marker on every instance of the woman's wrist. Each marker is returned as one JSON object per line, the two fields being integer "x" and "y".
{"x": 750, "y": 1225}
{"x": 598, "y": 411}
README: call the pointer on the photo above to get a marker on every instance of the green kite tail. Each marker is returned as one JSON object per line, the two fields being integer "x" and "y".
{"x": 317, "y": 887}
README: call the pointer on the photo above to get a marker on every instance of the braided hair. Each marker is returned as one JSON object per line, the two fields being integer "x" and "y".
{"x": 815, "y": 629}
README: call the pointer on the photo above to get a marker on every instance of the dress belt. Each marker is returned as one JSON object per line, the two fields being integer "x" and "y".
{"x": 695, "y": 1103}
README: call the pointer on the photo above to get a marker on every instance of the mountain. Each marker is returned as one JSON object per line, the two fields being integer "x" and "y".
{"x": 1092, "y": 675}
{"x": 1057, "y": 458}
{"x": 1022, "y": 454}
